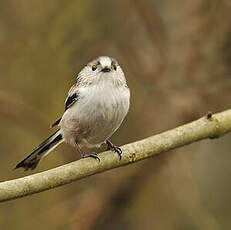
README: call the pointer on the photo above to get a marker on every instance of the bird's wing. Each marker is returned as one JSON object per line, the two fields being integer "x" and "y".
{"x": 56, "y": 122}
{"x": 70, "y": 100}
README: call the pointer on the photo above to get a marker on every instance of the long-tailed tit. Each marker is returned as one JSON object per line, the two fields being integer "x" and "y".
{"x": 94, "y": 109}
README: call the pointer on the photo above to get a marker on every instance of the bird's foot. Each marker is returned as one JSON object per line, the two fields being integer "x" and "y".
{"x": 114, "y": 148}
{"x": 93, "y": 155}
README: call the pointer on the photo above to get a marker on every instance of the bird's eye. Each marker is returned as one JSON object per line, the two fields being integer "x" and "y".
{"x": 114, "y": 65}
{"x": 94, "y": 67}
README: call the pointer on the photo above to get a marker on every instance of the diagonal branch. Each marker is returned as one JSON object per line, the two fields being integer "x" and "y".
{"x": 210, "y": 126}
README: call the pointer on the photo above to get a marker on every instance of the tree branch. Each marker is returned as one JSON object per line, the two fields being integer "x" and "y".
{"x": 210, "y": 126}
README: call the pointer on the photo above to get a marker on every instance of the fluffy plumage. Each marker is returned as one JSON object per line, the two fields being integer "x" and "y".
{"x": 94, "y": 109}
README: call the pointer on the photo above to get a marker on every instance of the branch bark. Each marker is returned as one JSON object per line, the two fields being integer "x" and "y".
{"x": 210, "y": 126}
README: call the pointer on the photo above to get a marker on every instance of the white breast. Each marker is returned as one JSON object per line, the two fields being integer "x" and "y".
{"x": 97, "y": 114}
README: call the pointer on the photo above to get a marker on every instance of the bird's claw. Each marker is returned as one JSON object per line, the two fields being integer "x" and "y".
{"x": 114, "y": 148}
{"x": 118, "y": 150}
{"x": 93, "y": 155}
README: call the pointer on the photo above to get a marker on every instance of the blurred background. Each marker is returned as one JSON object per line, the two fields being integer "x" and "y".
{"x": 176, "y": 56}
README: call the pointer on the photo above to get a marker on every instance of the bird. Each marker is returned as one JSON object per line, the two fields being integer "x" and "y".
{"x": 95, "y": 107}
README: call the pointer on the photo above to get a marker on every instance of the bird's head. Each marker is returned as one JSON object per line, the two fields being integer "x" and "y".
{"x": 101, "y": 69}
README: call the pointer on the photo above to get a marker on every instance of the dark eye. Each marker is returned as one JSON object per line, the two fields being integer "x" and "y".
{"x": 114, "y": 65}
{"x": 94, "y": 67}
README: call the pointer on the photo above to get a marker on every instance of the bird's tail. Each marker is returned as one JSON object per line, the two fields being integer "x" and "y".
{"x": 32, "y": 160}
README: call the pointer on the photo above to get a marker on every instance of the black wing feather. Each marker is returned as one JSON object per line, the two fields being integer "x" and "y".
{"x": 71, "y": 99}
{"x": 56, "y": 123}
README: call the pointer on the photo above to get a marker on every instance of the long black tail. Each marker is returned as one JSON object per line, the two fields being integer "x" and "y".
{"x": 32, "y": 160}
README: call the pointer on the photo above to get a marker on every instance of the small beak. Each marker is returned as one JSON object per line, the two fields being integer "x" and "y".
{"x": 106, "y": 69}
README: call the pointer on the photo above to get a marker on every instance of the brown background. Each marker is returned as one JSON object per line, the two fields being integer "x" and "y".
{"x": 176, "y": 56}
